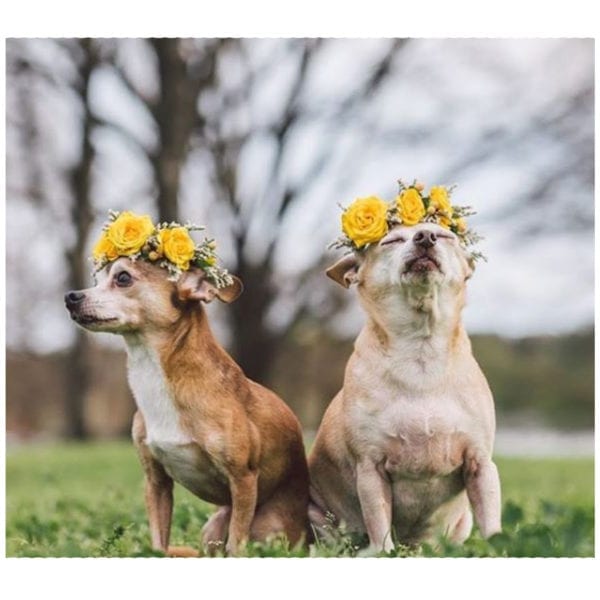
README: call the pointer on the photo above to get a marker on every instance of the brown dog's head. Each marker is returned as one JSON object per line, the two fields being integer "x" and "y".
{"x": 132, "y": 296}
{"x": 407, "y": 263}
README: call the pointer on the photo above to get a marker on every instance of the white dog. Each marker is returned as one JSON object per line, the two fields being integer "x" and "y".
{"x": 406, "y": 445}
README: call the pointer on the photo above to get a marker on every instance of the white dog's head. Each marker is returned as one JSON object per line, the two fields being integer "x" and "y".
{"x": 409, "y": 265}
{"x": 133, "y": 296}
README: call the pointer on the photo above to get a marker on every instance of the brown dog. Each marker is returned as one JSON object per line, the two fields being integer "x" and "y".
{"x": 406, "y": 445}
{"x": 200, "y": 421}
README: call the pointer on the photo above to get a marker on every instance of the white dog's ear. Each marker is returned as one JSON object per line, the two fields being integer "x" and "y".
{"x": 470, "y": 266}
{"x": 344, "y": 271}
{"x": 193, "y": 285}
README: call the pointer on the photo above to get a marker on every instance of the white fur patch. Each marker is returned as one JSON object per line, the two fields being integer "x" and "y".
{"x": 152, "y": 396}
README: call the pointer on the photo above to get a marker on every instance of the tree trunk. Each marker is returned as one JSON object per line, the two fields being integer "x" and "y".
{"x": 254, "y": 345}
{"x": 175, "y": 115}
{"x": 77, "y": 380}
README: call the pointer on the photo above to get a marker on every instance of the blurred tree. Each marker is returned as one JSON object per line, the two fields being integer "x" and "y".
{"x": 25, "y": 75}
{"x": 550, "y": 130}
{"x": 251, "y": 133}
{"x": 185, "y": 69}
{"x": 85, "y": 56}
{"x": 194, "y": 109}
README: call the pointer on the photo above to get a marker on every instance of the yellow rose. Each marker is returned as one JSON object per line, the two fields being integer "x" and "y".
{"x": 104, "y": 250}
{"x": 129, "y": 232}
{"x": 410, "y": 206}
{"x": 444, "y": 222}
{"x": 365, "y": 220}
{"x": 177, "y": 245}
{"x": 438, "y": 197}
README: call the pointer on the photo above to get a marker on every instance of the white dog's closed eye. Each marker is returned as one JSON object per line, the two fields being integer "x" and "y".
{"x": 394, "y": 237}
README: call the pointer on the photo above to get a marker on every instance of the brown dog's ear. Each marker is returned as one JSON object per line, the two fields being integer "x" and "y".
{"x": 344, "y": 271}
{"x": 193, "y": 285}
{"x": 232, "y": 291}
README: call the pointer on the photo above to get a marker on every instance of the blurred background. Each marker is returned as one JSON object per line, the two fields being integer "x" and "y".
{"x": 259, "y": 140}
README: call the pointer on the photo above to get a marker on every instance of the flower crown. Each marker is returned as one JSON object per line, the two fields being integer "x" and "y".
{"x": 369, "y": 219}
{"x": 168, "y": 245}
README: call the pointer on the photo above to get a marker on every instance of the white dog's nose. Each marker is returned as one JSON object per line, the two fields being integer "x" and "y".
{"x": 425, "y": 239}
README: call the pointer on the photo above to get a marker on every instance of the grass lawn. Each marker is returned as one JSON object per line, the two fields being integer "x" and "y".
{"x": 87, "y": 500}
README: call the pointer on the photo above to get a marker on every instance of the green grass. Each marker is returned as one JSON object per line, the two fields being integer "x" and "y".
{"x": 86, "y": 500}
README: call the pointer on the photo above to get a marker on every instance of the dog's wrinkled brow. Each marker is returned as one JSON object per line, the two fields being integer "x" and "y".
{"x": 104, "y": 273}
{"x": 393, "y": 236}
{"x": 110, "y": 266}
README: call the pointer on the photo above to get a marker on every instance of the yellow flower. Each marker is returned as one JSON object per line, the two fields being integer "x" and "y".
{"x": 444, "y": 221}
{"x": 461, "y": 225}
{"x": 104, "y": 249}
{"x": 439, "y": 198}
{"x": 365, "y": 220}
{"x": 410, "y": 206}
{"x": 129, "y": 232}
{"x": 177, "y": 245}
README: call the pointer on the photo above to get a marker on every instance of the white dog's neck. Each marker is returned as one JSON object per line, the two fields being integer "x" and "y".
{"x": 416, "y": 312}
{"x": 415, "y": 333}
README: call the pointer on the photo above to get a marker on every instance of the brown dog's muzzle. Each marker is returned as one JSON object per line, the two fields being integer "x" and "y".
{"x": 74, "y": 302}
{"x": 74, "y": 299}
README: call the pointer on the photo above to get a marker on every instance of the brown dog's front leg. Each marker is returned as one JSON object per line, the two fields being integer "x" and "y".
{"x": 243, "y": 506}
{"x": 158, "y": 494}
{"x": 375, "y": 496}
{"x": 158, "y": 488}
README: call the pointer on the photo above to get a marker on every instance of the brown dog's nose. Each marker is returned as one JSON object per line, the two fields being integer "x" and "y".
{"x": 425, "y": 239}
{"x": 72, "y": 299}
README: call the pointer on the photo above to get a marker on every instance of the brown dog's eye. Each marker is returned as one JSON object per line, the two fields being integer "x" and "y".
{"x": 123, "y": 279}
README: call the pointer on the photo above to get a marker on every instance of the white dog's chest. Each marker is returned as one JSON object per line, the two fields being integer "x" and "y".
{"x": 416, "y": 439}
{"x": 420, "y": 446}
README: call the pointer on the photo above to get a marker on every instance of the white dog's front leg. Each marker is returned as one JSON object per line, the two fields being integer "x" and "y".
{"x": 483, "y": 489}
{"x": 375, "y": 496}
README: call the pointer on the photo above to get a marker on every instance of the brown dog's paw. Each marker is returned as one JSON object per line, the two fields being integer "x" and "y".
{"x": 182, "y": 552}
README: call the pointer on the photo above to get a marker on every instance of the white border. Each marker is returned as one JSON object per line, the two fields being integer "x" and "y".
{"x": 312, "y": 18}
{"x": 295, "y": 578}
